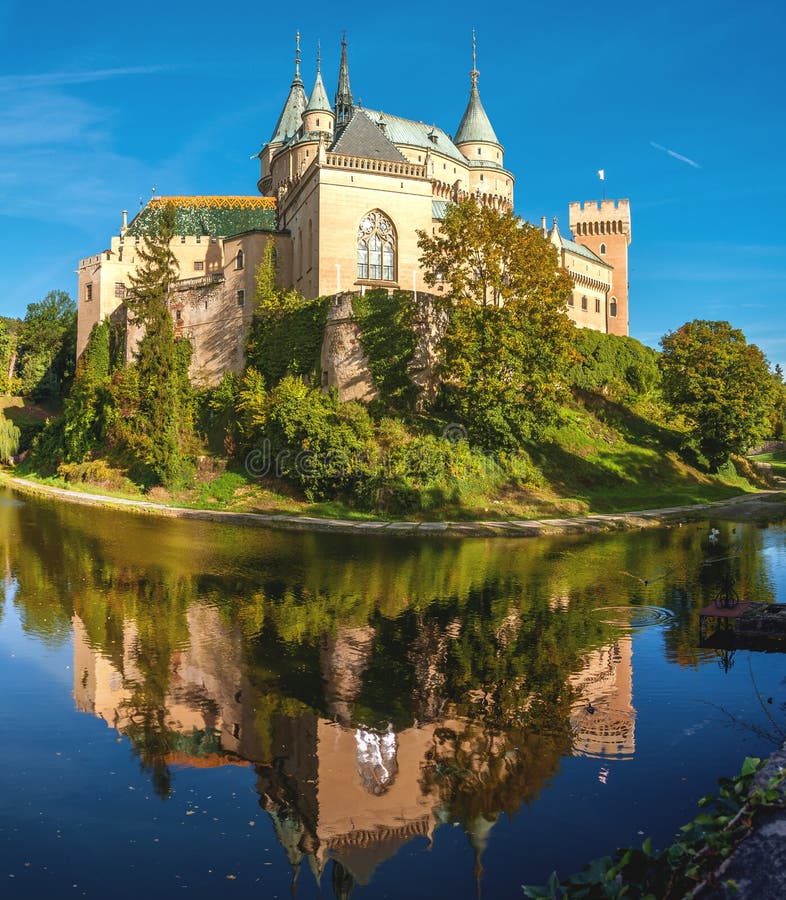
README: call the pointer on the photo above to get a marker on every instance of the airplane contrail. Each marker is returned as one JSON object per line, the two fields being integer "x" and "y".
{"x": 679, "y": 156}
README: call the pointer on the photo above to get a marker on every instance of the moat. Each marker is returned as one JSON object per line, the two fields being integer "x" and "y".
{"x": 210, "y": 709}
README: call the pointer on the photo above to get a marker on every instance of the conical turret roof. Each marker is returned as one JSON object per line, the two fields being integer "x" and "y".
{"x": 291, "y": 118}
{"x": 475, "y": 126}
{"x": 319, "y": 98}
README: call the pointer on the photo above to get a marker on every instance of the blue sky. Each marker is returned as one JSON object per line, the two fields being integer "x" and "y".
{"x": 100, "y": 102}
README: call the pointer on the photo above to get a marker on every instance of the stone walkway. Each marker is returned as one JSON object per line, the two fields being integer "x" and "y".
{"x": 763, "y": 503}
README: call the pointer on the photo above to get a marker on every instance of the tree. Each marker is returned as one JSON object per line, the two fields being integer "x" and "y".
{"x": 47, "y": 347}
{"x": 508, "y": 339}
{"x": 164, "y": 435}
{"x": 720, "y": 383}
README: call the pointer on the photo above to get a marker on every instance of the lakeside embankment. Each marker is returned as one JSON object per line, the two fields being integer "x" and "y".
{"x": 761, "y": 506}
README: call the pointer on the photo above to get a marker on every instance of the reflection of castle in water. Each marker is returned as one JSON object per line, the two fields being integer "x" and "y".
{"x": 334, "y": 790}
{"x": 603, "y": 719}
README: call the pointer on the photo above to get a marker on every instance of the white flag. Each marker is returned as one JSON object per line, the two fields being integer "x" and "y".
{"x": 602, "y": 174}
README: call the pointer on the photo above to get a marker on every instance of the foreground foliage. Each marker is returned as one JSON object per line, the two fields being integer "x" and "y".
{"x": 679, "y": 869}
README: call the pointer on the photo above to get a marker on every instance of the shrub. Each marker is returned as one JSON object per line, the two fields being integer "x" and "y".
{"x": 10, "y": 437}
{"x": 618, "y": 367}
{"x": 95, "y": 472}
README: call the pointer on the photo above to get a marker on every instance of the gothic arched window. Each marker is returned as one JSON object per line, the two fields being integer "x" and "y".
{"x": 376, "y": 248}
{"x": 613, "y": 307}
{"x": 602, "y": 249}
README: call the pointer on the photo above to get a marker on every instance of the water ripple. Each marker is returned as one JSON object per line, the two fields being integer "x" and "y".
{"x": 635, "y": 616}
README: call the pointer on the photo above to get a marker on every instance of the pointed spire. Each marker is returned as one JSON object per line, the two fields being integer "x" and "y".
{"x": 291, "y": 117}
{"x": 343, "y": 103}
{"x": 475, "y": 126}
{"x": 318, "y": 102}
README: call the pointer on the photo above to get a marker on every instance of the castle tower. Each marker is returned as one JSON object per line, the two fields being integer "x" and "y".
{"x": 475, "y": 137}
{"x": 318, "y": 114}
{"x": 289, "y": 123}
{"x": 343, "y": 103}
{"x": 604, "y": 227}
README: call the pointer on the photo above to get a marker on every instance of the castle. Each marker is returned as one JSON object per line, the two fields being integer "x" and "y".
{"x": 343, "y": 192}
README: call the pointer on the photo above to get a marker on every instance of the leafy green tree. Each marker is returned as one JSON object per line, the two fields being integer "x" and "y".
{"x": 164, "y": 435}
{"x": 5, "y": 357}
{"x": 508, "y": 340}
{"x": 47, "y": 347}
{"x": 86, "y": 406}
{"x": 285, "y": 335}
{"x": 720, "y": 383}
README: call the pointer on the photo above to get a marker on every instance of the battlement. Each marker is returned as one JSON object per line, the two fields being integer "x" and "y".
{"x": 600, "y": 208}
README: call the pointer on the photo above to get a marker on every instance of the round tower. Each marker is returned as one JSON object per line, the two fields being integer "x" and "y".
{"x": 288, "y": 124}
{"x": 477, "y": 141}
{"x": 318, "y": 117}
{"x": 604, "y": 227}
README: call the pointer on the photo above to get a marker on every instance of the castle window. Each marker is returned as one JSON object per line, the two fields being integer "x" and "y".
{"x": 182, "y": 239}
{"x": 199, "y": 266}
{"x": 120, "y": 290}
{"x": 376, "y": 248}
{"x": 199, "y": 239}
{"x": 613, "y": 307}
{"x": 583, "y": 302}
{"x": 241, "y": 298}
{"x": 88, "y": 292}
{"x": 239, "y": 260}
{"x": 602, "y": 249}
{"x": 570, "y": 300}
{"x": 178, "y": 315}
{"x": 597, "y": 304}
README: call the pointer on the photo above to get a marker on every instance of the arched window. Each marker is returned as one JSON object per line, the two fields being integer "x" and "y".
{"x": 613, "y": 307}
{"x": 376, "y": 248}
{"x": 602, "y": 249}
{"x": 239, "y": 260}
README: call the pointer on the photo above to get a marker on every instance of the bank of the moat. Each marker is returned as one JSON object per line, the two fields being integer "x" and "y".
{"x": 762, "y": 506}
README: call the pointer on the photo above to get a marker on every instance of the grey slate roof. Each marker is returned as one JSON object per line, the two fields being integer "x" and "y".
{"x": 475, "y": 124}
{"x": 418, "y": 134}
{"x": 362, "y": 137}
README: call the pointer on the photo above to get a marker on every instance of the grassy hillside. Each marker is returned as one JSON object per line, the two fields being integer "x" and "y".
{"x": 603, "y": 457}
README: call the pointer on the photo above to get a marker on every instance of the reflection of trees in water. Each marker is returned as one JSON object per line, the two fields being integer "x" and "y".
{"x": 476, "y": 640}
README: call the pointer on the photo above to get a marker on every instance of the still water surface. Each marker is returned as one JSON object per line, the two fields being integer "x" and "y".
{"x": 198, "y": 710}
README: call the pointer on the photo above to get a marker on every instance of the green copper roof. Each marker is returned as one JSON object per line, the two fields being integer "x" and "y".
{"x": 210, "y": 216}
{"x": 475, "y": 126}
{"x": 318, "y": 102}
{"x": 581, "y": 250}
{"x": 291, "y": 117}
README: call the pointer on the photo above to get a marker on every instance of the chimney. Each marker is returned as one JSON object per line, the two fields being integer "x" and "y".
{"x": 124, "y": 226}
{"x": 543, "y": 226}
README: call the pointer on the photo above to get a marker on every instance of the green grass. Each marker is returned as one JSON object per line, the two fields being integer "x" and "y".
{"x": 776, "y": 460}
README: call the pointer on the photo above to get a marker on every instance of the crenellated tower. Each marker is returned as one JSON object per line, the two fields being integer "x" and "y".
{"x": 604, "y": 227}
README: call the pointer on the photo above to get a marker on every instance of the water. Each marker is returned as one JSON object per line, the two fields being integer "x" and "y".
{"x": 197, "y": 708}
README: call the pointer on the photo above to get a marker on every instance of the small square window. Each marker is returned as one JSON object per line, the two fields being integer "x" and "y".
{"x": 199, "y": 266}
{"x": 241, "y": 298}
{"x": 199, "y": 239}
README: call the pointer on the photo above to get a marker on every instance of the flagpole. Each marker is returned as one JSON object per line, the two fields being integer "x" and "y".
{"x": 602, "y": 176}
